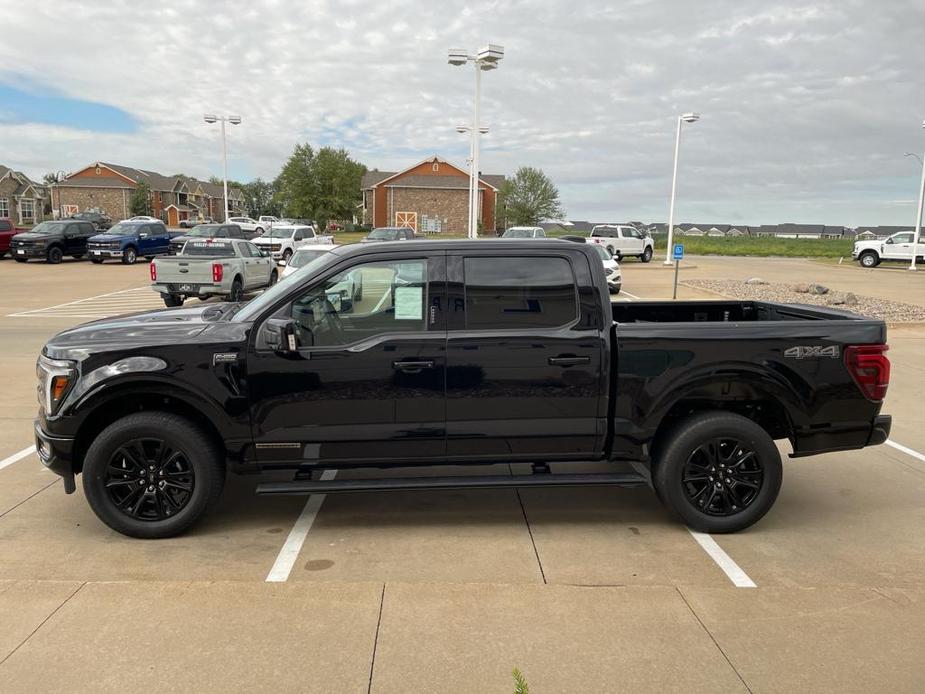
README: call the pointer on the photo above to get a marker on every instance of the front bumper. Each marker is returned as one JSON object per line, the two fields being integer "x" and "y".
{"x": 28, "y": 252}
{"x": 56, "y": 453}
{"x": 105, "y": 253}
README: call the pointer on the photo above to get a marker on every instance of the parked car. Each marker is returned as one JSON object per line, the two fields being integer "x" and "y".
{"x": 142, "y": 218}
{"x": 206, "y": 231}
{"x": 212, "y": 267}
{"x": 611, "y": 269}
{"x": 390, "y": 234}
{"x": 267, "y": 221}
{"x": 897, "y": 247}
{"x": 100, "y": 220}
{"x": 463, "y": 353}
{"x": 623, "y": 240}
{"x": 128, "y": 240}
{"x": 282, "y": 241}
{"x": 195, "y": 222}
{"x": 52, "y": 240}
{"x": 524, "y": 233}
{"x": 7, "y": 231}
{"x": 303, "y": 256}
{"x": 249, "y": 225}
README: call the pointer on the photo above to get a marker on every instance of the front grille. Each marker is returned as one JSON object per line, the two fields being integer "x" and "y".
{"x": 100, "y": 246}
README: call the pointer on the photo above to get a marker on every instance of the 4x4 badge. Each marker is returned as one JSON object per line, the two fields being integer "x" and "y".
{"x": 812, "y": 351}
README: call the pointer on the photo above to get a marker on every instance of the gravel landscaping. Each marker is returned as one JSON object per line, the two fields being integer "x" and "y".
{"x": 758, "y": 290}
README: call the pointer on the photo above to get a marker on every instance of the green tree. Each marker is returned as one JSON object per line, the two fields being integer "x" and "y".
{"x": 52, "y": 177}
{"x": 529, "y": 197}
{"x": 322, "y": 185}
{"x": 140, "y": 202}
{"x": 260, "y": 198}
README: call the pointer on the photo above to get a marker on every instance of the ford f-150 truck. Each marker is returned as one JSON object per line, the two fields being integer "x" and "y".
{"x": 212, "y": 267}
{"x": 459, "y": 353}
{"x": 128, "y": 240}
{"x": 898, "y": 247}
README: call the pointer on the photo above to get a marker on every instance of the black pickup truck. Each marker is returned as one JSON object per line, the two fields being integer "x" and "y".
{"x": 458, "y": 352}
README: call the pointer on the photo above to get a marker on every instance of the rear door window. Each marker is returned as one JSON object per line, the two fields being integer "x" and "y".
{"x": 525, "y": 292}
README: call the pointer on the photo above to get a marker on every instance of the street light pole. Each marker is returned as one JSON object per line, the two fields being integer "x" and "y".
{"x": 234, "y": 120}
{"x": 918, "y": 216}
{"x": 686, "y": 118}
{"x": 486, "y": 59}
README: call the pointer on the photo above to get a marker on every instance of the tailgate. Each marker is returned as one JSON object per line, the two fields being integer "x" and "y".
{"x": 184, "y": 269}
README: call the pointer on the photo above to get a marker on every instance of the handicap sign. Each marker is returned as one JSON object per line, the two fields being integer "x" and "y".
{"x": 678, "y": 251}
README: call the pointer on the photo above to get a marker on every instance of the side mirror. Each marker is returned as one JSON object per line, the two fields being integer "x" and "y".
{"x": 143, "y": 235}
{"x": 280, "y": 335}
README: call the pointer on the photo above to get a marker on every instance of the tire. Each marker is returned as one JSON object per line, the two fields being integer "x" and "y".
{"x": 612, "y": 251}
{"x": 54, "y": 255}
{"x": 685, "y": 472}
{"x": 237, "y": 291}
{"x": 173, "y": 300}
{"x": 869, "y": 259}
{"x": 163, "y": 509}
{"x": 287, "y": 254}
{"x": 129, "y": 256}
{"x": 646, "y": 254}
{"x": 258, "y": 231}
{"x": 96, "y": 261}
{"x": 274, "y": 278}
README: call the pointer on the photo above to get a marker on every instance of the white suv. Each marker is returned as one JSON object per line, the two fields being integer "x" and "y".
{"x": 896, "y": 247}
{"x": 282, "y": 241}
{"x": 623, "y": 240}
{"x": 248, "y": 224}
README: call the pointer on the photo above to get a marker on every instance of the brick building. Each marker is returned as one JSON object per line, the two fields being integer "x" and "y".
{"x": 430, "y": 197}
{"x": 109, "y": 188}
{"x": 21, "y": 199}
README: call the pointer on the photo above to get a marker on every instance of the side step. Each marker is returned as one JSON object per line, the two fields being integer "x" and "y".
{"x": 402, "y": 484}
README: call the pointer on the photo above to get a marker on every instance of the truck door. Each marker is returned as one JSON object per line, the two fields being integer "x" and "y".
{"x": 367, "y": 379}
{"x": 524, "y": 357}
{"x": 630, "y": 243}
{"x": 899, "y": 246}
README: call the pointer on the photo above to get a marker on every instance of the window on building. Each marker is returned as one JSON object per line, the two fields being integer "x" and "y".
{"x": 4, "y": 207}
{"x": 27, "y": 210}
{"x": 519, "y": 293}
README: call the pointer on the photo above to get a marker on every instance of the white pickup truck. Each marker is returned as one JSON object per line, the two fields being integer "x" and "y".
{"x": 623, "y": 240}
{"x": 897, "y": 247}
{"x": 212, "y": 267}
{"x": 282, "y": 241}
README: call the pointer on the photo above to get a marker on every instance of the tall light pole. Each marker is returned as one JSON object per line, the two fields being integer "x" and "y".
{"x": 234, "y": 120}
{"x": 685, "y": 118}
{"x": 486, "y": 59}
{"x": 918, "y": 216}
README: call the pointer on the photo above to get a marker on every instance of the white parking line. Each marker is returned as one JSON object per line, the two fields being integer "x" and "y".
{"x": 906, "y": 450}
{"x": 99, "y": 306}
{"x": 17, "y": 456}
{"x": 735, "y": 573}
{"x": 631, "y": 296}
{"x": 289, "y": 553}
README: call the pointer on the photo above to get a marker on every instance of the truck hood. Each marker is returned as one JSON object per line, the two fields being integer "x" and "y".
{"x": 32, "y": 236}
{"x": 102, "y": 238}
{"x": 153, "y": 329}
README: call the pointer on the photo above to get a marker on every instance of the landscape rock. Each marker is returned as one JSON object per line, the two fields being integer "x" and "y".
{"x": 818, "y": 289}
{"x": 801, "y": 288}
{"x": 755, "y": 280}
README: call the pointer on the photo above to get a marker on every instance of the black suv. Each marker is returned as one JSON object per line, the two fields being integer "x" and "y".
{"x": 207, "y": 231}
{"x": 52, "y": 241}
{"x": 99, "y": 220}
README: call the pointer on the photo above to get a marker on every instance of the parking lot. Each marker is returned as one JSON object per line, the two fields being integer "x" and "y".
{"x": 582, "y": 589}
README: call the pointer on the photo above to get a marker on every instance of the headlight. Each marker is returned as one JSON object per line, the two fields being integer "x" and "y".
{"x": 56, "y": 377}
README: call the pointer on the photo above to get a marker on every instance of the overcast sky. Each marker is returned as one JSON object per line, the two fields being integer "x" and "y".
{"x": 807, "y": 108}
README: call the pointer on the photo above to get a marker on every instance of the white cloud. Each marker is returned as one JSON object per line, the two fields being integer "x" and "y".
{"x": 807, "y": 110}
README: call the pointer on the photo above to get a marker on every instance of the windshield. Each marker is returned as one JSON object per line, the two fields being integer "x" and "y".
{"x": 202, "y": 231}
{"x": 47, "y": 228}
{"x": 253, "y": 308}
{"x": 518, "y": 234}
{"x": 601, "y": 251}
{"x": 383, "y": 234}
{"x": 279, "y": 233}
{"x": 122, "y": 229}
{"x": 304, "y": 257}
{"x": 213, "y": 250}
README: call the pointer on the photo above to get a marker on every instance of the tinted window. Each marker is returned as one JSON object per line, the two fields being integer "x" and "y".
{"x": 5, "y": 226}
{"x": 529, "y": 292}
{"x": 394, "y": 297}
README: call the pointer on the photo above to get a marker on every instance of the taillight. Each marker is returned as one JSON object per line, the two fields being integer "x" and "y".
{"x": 153, "y": 272}
{"x": 870, "y": 369}
{"x": 218, "y": 271}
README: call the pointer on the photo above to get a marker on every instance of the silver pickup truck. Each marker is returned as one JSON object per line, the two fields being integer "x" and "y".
{"x": 212, "y": 267}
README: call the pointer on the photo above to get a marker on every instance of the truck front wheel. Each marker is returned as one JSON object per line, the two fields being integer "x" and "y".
{"x": 152, "y": 474}
{"x": 869, "y": 259}
{"x": 129, "y": 256}
{"x": 718, "y": 471}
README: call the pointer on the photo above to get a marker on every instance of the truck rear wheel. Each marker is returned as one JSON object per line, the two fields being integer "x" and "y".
{"x": 152, "y": 475}
{"x": 172, "y": 300}
{"x": 646, "y": 254}
{"x": 237, "y": 291}
{"x": 719, "y": 471}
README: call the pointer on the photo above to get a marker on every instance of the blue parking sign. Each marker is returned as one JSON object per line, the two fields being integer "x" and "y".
{"x": 678, "y": 251}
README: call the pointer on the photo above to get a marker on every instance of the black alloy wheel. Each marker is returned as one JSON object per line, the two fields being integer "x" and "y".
{"x": 149, "y": 480}
{"x": 237, "y": 291}
{"x": 722, "y": 477}
{"x": 54, "y": 255}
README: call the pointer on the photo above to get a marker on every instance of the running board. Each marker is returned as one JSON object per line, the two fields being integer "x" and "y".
{"x": 402, "y": 484}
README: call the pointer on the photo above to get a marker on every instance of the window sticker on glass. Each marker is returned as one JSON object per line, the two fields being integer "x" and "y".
{"x": 409, "y": 303}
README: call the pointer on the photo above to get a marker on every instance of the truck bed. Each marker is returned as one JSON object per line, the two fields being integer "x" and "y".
{"x": 723, "y": 312}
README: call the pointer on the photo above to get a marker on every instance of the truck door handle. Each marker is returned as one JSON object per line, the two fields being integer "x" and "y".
{"x": 412, "y": 366}
{"x": 568, "y": 361}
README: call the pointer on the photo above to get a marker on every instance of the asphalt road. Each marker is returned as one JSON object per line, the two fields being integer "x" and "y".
{"x": 582, "y": 589}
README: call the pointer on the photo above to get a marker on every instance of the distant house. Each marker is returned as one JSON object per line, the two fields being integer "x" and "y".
{"x": 880, "y": 232}
{"x": 21, "y": 198}
{"x": 737, "y": 230}
{"x": 833, "y": 232}
{"x": 109, "y": 188}
{"x": 431, "y": 196}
